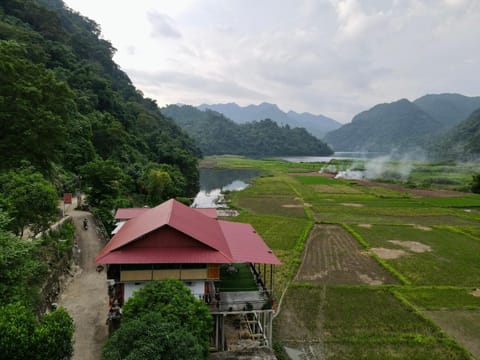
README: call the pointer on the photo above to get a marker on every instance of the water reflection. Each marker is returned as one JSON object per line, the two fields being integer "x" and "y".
{"x": 214, "y": 181}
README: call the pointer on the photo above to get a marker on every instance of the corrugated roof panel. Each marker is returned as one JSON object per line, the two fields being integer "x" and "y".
{"x": 246, "y": 245}
{"x": 225, "y": 241}
{"x": 128, "y": 213}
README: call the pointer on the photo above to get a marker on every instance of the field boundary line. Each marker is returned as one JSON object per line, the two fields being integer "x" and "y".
{"x": 403, "y": 280}
{"x": 458, "y": 231}
{"x": 307, "y": 210}
{"x": 301, "y": 242}
{"x": 444, "y": 337}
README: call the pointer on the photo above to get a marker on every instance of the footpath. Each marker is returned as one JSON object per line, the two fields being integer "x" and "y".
{"x": 85, "y": 296}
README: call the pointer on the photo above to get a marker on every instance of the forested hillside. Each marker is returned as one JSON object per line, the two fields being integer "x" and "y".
{"x": 317, "y": 125}
{"x": 462, "y": 142}
{"x": 400, "y": 125}
{"x": 69, "y": 114}
{"x": 216, "y": 134}
{"x": 449, "y": 109}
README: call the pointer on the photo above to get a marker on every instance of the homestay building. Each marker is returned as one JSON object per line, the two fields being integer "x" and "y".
{"x": 226, "y": 264}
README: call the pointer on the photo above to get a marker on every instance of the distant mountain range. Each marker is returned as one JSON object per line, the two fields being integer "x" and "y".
{"x": 403, "y": 125}
{"x": 215, "y": 134}
{"x": 317, "y": 125}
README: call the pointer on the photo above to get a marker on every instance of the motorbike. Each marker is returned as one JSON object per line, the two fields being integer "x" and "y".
{"x": 85, "y": 224}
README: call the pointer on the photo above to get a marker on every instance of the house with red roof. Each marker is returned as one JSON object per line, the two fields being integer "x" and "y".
{"x": 175, "y": 241}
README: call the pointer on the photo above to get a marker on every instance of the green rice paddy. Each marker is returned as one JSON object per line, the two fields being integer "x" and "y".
{"x": 437, "y": 237}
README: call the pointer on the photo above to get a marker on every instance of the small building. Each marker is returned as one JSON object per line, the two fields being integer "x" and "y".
{"x": 174, "y": 241}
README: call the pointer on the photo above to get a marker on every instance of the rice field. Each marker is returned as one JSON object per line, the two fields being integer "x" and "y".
{"x": 401, "y": 283}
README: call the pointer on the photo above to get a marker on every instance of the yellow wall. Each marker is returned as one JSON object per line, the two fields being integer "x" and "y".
{"x": 147, "y": 275}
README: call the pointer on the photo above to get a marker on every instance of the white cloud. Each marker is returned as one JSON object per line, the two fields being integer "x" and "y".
{"x": 163, "y": 25}
{"x": 335, "y": 57}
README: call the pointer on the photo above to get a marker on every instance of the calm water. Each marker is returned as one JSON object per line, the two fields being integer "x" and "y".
{"x": 213, "y": 182}
{"x": 337, "y": 155}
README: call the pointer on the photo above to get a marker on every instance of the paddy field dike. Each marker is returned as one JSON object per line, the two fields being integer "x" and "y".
{"x": 371, "y": 269}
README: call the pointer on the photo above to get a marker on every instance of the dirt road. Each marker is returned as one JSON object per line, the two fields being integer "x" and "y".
{"x": 85, "y": 297}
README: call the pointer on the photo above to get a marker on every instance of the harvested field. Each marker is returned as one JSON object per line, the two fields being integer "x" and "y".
{"x": 333, "y": 256}
{"x": 462, "y": 325}
{"x": 352, "y": 204}
{"x": 421, "y": 227}
{"x": 387, "y": 254}
{"x": 412, "y": 246}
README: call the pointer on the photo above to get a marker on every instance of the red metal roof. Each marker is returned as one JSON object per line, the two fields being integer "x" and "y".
{"x": 246, "y": 245}
{"x": 210, "y": 212}
{"x": 218, "y": 241}
{"x": 128, "y": 213}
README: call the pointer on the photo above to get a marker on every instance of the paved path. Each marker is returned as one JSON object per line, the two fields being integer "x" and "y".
{"x": 85, "y": 297}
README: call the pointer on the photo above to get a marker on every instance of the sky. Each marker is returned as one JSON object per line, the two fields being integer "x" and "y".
{"x": 330, "y": 57}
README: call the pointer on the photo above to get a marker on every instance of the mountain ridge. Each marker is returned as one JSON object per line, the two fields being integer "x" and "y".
{"x": 216, "y": 134}
{"x": 317, "y": 125}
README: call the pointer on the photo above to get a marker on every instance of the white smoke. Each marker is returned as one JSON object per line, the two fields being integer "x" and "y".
{"x": 394, "y": 166}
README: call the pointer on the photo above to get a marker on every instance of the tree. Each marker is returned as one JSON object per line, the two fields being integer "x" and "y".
{"x": 150, "y": 337}
{"x": 104, "y": 180}
{"x": 18, "y": 267}
{"x": 36, "y": 108}
{"x": 23, "y": 337}
{"x": 53, "y": 337}
{"x": 175, "y": 304}
{"x": 476, "y": 184}
{"x": 161, "y": 182}
{"x": 17, "y": 324}
{"x": 30, "y": 200}
{"x": 158, "y": 185}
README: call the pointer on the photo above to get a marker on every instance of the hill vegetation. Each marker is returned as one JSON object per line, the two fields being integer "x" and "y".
{"x": 70, "y": 120}
{"x": 400, "y": 125}
{"x": 428, "y": 123}
{"x": 462, "y": 142}
{"x": 67, "y": 107}
{"x": 216, "y": 134}
{"x": 449, "y": 109}
{"x": 317, "y": 125}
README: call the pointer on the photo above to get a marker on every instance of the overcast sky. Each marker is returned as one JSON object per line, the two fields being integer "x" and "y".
{"x": 328, "y": 57}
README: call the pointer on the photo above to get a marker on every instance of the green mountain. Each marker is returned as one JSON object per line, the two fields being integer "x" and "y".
{"x": 215, "y": 134}
{"x": 400, "y": 126}
{"x": 449, "y": 109}
{"x": 462, "y": 142}
{"x": 64, "y": 103}
{"x": 317, "y": 125}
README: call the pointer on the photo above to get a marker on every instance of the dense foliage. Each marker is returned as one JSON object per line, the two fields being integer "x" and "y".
{"x": 317, "y": 125}
{"x": 177, "y": 321}
{"x": 67, "y": 108}
{"x": 24, "y": 266}
{"x": 23, "y": 337}
{"x": 150, "y": 337}
{"x": 29, "y": 198}
{"x": 400, "y": 125}
{"x": 449, "y": 109}
{"x": 462, "y": 142}
{"x": 216, "y": 134}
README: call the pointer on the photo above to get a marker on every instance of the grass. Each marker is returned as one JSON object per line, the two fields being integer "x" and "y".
{"x": 285, "y": 236}
{"x": 356, "y": 322}
{"x": 239, "y": 280}
{"x": 370, "y": 322}
{"x": 440, "y": 298}
{"x": 319, "y": 180}
{"x": 453, "y": 259}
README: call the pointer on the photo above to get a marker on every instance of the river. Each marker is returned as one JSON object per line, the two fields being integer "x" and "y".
{"x": 214, "y": 181}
